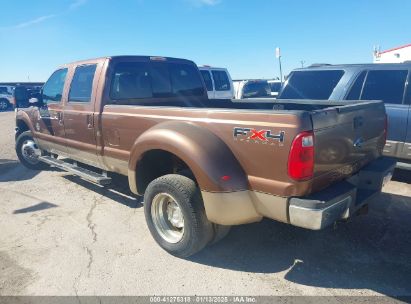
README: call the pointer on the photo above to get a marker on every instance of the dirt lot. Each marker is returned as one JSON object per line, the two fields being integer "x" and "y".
{"x": 60, "y": 235}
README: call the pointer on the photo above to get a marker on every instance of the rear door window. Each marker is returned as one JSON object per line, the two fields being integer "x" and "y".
{"x": 386, "y": 85}
{"x": 207, "y": 79}
{"x": 221, "y": 81}
{"x": 311, "y": 84}
{"x": 82, "y": 83}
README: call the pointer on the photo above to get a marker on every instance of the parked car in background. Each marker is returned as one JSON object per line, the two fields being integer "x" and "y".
{"x": 218, "y": 82}
{"x": 275, "y": 87}
{"x": 251, "y": 88}
{"x": 6, "y": 89}
{"x": 387, "y": 82}
{"x": 6, "y": 101}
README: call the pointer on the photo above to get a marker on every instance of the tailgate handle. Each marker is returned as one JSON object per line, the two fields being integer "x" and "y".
{"x": 358, "y": 122}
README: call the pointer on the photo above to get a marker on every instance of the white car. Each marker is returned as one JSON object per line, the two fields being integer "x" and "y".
{"x": 5, "y": 101}
{"x": 275, "y": 86}
{"x": 218, "y": 82}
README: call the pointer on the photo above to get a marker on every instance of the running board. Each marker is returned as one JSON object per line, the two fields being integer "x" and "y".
{"x": 91, "y": 176}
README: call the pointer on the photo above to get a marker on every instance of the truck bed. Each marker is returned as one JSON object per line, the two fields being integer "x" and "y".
{"x": 347, "y": 136}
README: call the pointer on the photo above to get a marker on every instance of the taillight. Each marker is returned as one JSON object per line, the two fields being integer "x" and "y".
{"x": 301, "y": 158}
{"x": 385, "y": 129}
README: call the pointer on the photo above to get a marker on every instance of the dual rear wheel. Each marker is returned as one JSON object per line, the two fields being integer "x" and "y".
{"x": 176, "y": 217}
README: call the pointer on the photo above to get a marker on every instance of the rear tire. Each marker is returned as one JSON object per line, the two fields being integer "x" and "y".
{"x": 175, "y": 215}
{"x": 28, "y": 152}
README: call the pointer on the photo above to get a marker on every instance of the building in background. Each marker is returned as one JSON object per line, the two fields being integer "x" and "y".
{"x": 394, "y": 55}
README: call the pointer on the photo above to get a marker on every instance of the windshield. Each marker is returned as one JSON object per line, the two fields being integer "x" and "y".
{"x": 256, "y": 89}
{"x": 311, "y": 84}
{"x": 275, "y": 86}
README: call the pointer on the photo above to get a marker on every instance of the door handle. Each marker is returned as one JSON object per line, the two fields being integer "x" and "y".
{"x": 60, "y": 117}
{"x": 90, "y": 121}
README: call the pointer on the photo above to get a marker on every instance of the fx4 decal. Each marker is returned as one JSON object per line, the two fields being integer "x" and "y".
{"x": 258, "y": 136}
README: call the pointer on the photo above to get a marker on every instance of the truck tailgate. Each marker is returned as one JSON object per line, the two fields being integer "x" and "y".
{"x": 346, "y": 139}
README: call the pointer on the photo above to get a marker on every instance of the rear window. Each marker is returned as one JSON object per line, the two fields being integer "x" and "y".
{"x": 221, "y": 81}
{"x": 356, "y": 88}
{"x": 137, "y": 80}
{"x": 386, "y": 85}
{"x": 311, "y": 84}
{"x": 255, "y": 89}
{"x": 207, "y": 79}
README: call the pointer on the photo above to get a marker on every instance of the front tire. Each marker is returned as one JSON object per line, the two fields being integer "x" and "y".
{"x": 175, "y": 215}
{"x": 4, "y": 104}
{"x": 28, "y": 152}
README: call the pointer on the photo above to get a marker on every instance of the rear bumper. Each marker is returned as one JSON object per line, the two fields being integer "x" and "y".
{"x": 312, "y": 212}
{"x": 341, "y": 200}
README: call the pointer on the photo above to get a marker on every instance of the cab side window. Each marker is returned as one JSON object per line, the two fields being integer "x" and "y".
{"x": 53, "y": 88}
{"x": 82, "y": 83}
{"x": 207, "y": 79}
{"x": 386, "y": 85}
{"x": 221, "y": 81}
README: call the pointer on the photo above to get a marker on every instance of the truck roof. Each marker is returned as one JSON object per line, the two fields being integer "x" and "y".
{"x": 128, "y": 57}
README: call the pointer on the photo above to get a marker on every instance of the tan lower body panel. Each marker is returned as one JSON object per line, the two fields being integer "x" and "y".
{"x": 242, "y": 207}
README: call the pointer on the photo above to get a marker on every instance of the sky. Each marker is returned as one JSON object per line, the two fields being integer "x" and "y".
{"x": 39, "y": 35}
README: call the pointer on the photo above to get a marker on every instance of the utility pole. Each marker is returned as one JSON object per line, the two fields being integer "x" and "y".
{"x": 278, "y": 55}
{"x": 302, "y": 63}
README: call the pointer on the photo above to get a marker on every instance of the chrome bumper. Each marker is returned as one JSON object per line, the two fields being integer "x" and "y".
{"x": 340, "y": 201}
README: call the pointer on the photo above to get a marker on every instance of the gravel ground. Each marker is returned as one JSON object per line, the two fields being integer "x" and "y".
{"x": 60, "y": 235}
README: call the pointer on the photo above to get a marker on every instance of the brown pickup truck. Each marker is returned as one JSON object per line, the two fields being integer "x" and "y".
{"x": 204, "y": 165}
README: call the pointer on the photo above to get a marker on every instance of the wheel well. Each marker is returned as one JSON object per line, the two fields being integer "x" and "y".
{"x": 156, "y": 163}
{"x": 22, "y": 127}
{"x": 6, "y": 100}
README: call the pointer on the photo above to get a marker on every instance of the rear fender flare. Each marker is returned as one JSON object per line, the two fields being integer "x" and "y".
{"x": 213, "y": 164}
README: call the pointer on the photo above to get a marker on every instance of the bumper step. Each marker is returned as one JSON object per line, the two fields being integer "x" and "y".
{"x": 88, "y": 175}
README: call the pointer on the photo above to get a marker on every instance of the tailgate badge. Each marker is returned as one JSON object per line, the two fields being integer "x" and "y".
{"x": 258, "y": 136}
